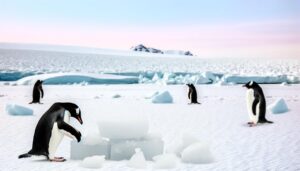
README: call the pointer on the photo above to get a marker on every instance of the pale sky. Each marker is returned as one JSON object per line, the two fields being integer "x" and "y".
{"x": 208, "y": 28}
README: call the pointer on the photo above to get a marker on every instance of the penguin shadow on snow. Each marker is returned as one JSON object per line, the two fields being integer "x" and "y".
{"x": 256, "y": 104}
{"x": 192, "y": 94}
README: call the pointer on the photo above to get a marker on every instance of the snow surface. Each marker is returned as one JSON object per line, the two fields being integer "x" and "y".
{"x": 18, "y": 110}
{"x": 220, "y": 122}
{"x": 279, "y": 106}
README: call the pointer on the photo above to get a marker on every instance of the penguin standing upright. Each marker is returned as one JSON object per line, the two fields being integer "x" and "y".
{"x": 38, "y": 92}
{"x": 256, "y": 104}
{"x": 192, "y": 94}
{"x": 51, "y": 129}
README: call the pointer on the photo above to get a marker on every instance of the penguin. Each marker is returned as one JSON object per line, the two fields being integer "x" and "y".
{"x": 192, "y": 95}
{"x": 51, "y": 128}
{"x": 38, "y": 92}
{"x": 256, "y": 104}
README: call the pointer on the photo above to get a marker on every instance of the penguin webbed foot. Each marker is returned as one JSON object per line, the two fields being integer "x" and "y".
{"x": 58, "y": 159}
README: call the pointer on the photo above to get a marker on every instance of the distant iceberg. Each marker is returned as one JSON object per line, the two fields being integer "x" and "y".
{"x": 143, "y": 48}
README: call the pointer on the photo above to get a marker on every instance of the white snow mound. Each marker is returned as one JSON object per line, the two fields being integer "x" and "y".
{"x": 93, "y": 162}
{"x": 279, "y": 106}
{"x": 165, "y": 161}
{"x": 138, "y": 160}
{"x": 186, "y": 140}
{"x": 197, "y": 153}
{"x": 162, "y": 97}
{"x": 15, "y": 109}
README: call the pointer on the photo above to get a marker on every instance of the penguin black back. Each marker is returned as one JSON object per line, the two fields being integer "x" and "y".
{"x": 37, "y": 92}
{"x": 192, "y": 94}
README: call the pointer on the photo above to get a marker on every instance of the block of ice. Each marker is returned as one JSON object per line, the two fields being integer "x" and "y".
{"x": 92, "y": 139}
{"x": 93, "y": 162}
{"x": 165, "y": 161}
{"x": 162, "y": 97}
{"x": 279, "y": 106}
{"x": 81, "y": 150}
{"x": 197, "y": 153}
{"x": 125, "y": 128}
{"x": 138, "y": 160}
{"x": 18, "y": 110}
{"x": 124, "y": 149}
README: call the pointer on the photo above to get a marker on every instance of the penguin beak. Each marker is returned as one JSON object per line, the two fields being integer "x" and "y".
{"x": 244, "y": 85}
{"x": 79, "y": 119}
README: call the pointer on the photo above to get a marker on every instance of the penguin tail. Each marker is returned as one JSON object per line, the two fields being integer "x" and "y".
{"x": 24, "y": 155}
{"x": 269, "y": 121}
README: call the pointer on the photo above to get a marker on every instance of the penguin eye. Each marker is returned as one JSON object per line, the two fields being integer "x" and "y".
{"x": 77, "y": 111}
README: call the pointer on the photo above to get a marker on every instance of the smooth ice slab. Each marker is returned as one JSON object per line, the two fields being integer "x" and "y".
{"x": 18, "y": 110}
{"x": 123, "y": 149}
{"x": 81, "y": 150}
{"x": 131, "y": 126}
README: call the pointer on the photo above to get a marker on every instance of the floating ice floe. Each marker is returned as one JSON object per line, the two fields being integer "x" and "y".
{"x": 93, "y": 162}
{"x": 18, "y": 110}
{"x": 279, "y": 106}
{"x": 138, "y": 160}
{"x": 77, "y": 78}
{"x": 162, "y": 97}
{"x": 243, "y": 79}
{"x": 165, "y": 161}
{"x": 197, "y": 153}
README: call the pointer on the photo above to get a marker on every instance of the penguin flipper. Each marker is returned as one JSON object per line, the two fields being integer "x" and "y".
{"x": 255, "y": 102}
{"x": 69, "y": 130}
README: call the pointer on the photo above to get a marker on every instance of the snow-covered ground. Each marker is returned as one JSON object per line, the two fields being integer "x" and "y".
{"x": 220, "y": 120}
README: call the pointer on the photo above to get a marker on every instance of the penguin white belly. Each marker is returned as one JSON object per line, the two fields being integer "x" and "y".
{"x": 250, "y": 100}
{"x": 57, "y": 135}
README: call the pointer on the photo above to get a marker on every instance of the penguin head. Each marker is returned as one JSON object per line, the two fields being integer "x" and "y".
{"x": 74, "y": 111}
{"x": 190, "y": 85}
{"x": 251, "y": 84}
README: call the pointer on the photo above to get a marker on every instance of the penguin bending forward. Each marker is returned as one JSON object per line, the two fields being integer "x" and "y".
{"x": 256, "y": 104}
{"x": 51, "y": 128}
{"x": 37, "y": 92}
{"x": 192, "y": 95}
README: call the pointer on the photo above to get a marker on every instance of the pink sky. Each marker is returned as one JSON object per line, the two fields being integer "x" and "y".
{"x": 264, "y": 39}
